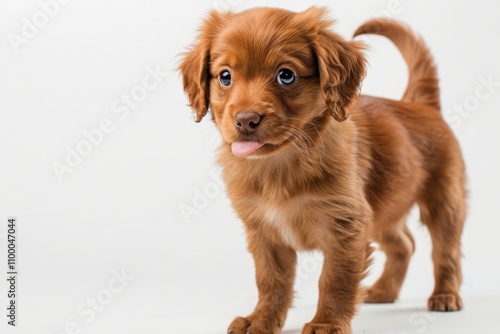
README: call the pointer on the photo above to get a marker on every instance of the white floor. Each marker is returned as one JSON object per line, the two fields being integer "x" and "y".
{"x": 478, "y": 317}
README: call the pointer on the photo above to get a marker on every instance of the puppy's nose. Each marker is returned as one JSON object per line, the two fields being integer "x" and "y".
{"x": 247, "y": 121}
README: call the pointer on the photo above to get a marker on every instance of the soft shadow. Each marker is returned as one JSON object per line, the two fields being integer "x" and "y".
{"x": 392, "y": 318}
{"x": 292, "y": 331}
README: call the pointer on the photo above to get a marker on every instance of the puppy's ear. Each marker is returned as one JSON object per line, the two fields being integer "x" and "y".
{"x": 341, "y": 66}
{"x": 195, "y": 66}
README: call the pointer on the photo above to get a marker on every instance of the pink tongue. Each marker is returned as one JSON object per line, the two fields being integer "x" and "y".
{"x": 242, "y": 148}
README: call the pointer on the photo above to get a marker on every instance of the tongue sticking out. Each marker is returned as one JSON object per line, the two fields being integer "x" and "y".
{"x": 242, "y": 148}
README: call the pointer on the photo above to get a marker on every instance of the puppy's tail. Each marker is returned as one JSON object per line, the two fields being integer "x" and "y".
{"x": 423, "y": 86}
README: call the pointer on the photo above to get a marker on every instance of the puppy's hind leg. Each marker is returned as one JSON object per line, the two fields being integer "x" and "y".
{"x": 443, "y": 211}
{"x": 397, "y": 243}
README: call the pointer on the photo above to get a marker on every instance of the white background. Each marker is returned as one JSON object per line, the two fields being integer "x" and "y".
{"x": 119, "y": 209}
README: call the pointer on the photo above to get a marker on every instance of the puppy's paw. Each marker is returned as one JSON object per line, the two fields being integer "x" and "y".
{"x": 315, "y": 328}
{"x": 375, "y": 295}
{"x": 445, "y": 302}
{"x": 239, "y": 326}
{"x": 253, "y": 326}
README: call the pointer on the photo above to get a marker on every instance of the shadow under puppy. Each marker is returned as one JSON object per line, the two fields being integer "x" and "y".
{"x": 310, "y": 165}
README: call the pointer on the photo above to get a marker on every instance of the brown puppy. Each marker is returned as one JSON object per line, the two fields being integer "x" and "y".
{"x": 309, "y": 166}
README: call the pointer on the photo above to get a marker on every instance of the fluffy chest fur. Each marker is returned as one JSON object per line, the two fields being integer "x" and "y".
{"x": 296, "y": 223}
{"x": 293, "y": 222}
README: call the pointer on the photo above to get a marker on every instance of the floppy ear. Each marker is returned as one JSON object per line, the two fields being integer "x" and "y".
{"x": 195, "y": 67}
{"x": 341, "y": 66}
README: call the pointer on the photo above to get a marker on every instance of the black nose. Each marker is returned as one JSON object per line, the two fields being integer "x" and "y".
{"x": 247, "y": 121}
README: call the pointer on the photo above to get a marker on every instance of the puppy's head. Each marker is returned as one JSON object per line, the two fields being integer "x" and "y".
{"x": 268, "y": 74}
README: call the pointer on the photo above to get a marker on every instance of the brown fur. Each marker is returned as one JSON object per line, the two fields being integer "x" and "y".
{"x": 326, "y": 181}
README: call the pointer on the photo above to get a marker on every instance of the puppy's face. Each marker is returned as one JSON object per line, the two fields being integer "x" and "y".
{"x": 268, "y": 74}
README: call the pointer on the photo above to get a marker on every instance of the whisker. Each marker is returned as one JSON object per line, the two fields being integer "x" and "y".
{"x": 322, "y": 150}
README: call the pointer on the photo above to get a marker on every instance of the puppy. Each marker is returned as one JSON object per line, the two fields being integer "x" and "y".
{"x": 311, "y": 165}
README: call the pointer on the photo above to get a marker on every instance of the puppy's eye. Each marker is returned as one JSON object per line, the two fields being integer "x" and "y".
{"x": 225, "y": 78}
{"x": 285, "y": 77}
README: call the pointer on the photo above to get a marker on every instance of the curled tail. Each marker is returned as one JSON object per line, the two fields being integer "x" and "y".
{"x": 423, "y": 84}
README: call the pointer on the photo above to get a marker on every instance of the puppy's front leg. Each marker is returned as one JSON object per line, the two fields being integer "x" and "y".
{"x": 275, "y": 273}
{"x": 345, "y": 257}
